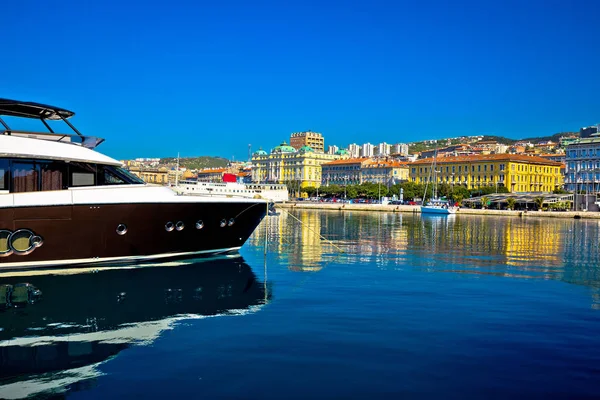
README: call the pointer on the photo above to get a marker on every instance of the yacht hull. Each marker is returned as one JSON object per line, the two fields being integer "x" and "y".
{"x": 437, "y": 210}
{"x": 63, "y": 235}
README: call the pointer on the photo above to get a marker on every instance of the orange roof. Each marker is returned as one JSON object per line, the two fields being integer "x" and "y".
{"x": 212, "y": 171}
{"x": 385, "y": 163}
{"x": 348, "y": 161}
{"x": 490, "y": 157}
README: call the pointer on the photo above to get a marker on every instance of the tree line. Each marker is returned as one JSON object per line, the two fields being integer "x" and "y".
{"x": 410, "y": 191}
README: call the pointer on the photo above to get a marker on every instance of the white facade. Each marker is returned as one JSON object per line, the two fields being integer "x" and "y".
{"x": 368, "y": 150}
{"x": 383, "y": 149}
{"x": 354, "y": 150}
{"x": 582, "y": 171}
{"x": 400, "y": 148}
{"x": 332, "y": 149}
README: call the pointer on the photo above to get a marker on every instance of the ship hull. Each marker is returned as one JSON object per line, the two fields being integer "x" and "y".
{"x": 73, "y": 235}
{"x": 437, "y": 210}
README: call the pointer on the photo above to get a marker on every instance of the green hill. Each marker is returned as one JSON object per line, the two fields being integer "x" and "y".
{"x": 196, "y": 162}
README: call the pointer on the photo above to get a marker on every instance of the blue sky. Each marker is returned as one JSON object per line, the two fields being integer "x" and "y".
{"x": 208, "y": 78}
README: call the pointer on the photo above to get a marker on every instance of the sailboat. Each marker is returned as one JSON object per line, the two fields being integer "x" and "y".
{"x": 435, "y": 205}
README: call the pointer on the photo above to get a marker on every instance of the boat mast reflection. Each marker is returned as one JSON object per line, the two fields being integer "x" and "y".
{"x": 77, "y": 321}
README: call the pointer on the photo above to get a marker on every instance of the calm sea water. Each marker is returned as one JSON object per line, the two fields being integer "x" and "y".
{"x": 382, "y": 306}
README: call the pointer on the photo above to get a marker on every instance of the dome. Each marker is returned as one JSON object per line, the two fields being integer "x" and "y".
{"x": 260, "y": 152}
{"x": 342, "y": 152}
{"x": 283, "y": 148}
{"x": 306, "y": 149}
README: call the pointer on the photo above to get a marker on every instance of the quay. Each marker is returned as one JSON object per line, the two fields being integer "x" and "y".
{"x": 305, "y": 205}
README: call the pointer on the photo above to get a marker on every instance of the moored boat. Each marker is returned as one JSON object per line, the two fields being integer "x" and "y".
{"x": 63, "y": 203}
{"x": 435, "y": 205}
{"x": 272, "y": 192}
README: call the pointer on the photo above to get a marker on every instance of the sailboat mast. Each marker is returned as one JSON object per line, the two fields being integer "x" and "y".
{"x": 177, "y": 171}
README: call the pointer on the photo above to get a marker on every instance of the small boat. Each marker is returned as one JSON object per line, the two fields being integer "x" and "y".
{"x": 272, "y": 211}
{"x": 436, "y": 205}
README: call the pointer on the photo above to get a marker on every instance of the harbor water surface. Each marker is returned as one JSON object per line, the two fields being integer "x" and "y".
{"x": 343, "y": 305}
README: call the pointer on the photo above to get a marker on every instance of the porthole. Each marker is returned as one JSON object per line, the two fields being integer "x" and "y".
{"x": 121, "y": 229}
{"x": 169, "y": 226}
{"x": 20, "y": 241}
{"x": 231, "y": 222}
{"x": 5, "y": 249}
{"x": 199, "y": 224}
{"x": 179, "y": 225}
{"x": 223, "y": 223}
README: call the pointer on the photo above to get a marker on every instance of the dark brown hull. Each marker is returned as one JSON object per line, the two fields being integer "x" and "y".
{"x": 84, "y": 234}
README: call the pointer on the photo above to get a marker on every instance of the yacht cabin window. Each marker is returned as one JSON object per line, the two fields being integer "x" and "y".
{"x": 4, "y": 174}
{"x": 20, "y": 175}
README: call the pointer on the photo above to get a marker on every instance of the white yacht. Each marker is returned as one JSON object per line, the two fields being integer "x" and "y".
{"x": 63, "y": 203}
{"x": 276, "y": 193}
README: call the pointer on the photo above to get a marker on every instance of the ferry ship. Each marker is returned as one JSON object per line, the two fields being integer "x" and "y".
{"x": 63, "y": 203}
{"x": 276, "y": 193}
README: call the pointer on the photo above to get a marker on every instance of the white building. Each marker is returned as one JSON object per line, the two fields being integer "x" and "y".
{"x": 354, "y": 150}
{"x": 368, "y": 150}
{"x": 332, "y": 149}
{"x": 400, "y": 148}
{"x": 382, "y": 149}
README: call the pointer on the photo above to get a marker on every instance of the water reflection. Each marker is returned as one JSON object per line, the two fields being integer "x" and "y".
{"x": 563, "y": 249}
{"x": 56, "y": 340}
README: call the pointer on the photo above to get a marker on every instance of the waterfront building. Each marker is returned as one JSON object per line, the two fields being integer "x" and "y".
{"x": 354, "y": 150}
{"x": 386, "y": 172}
{"x": 343, "y": 172}
{"x": 588, "y": 131}
{"x": 151, "y": 175}
{"x": 332, "y": 149}
{"x": 284, "y": 164}
{"x": 582, "y": 171}
{"x": 211, "y": 175}
{"x": 314, "y": 140}
{"x": 518, "y": 173}
{"x": 367, "y": 150}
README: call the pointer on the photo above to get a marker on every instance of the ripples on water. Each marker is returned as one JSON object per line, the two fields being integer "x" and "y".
{"x": 382, "y": 305}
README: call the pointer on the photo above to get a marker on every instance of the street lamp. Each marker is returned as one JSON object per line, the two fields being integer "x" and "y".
{"x": 345, "y": 184}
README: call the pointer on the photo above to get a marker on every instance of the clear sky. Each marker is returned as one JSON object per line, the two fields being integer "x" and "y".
{"x": 211, "y": 77}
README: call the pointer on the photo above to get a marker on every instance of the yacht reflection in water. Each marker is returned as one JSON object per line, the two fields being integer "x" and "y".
{"x": 55, "y": 331}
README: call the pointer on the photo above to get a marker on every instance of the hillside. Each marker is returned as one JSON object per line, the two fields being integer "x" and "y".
{"x": 416, "y": 147}
{"x": 196, "y": 162}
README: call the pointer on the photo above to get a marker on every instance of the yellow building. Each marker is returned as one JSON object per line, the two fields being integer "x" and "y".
{"x": 287, "y": 165}
{"x": 384, "y": 172}
{"x": 517, "y": 172}
{"x": 151, "y": 175}
{"x": 311, "y": 139}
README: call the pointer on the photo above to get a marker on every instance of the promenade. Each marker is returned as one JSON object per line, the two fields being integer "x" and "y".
{"x": 306, "y": 205}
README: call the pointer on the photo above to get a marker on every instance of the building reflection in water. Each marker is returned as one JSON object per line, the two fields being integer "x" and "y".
{"x": 542, "y": 248}
{"x": 56, "y": 344}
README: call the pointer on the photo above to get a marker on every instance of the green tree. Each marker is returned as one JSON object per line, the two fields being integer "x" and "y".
{"x": 539, "y": 202}
{"x": 459, "y": 193}
{"x": 511, "y": 203}
{"x": 485, "y": 201}
{"x": 310, "y": 191}
{"x": 351, "y": 192}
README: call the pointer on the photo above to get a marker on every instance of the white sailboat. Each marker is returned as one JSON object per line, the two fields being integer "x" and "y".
{"x": 436, "y": 205}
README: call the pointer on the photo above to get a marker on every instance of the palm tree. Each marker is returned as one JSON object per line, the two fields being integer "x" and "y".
{"x": 484, "y": 201}
{"x": 539, "y": 202}
{"x": 511, "y": 203}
